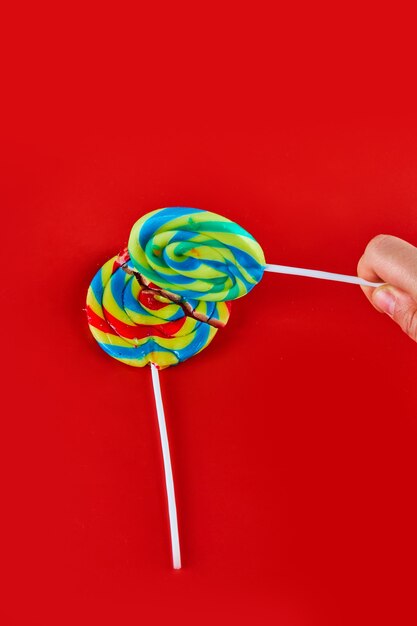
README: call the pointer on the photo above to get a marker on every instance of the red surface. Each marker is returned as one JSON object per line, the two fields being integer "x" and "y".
{"x": 294, "y": 435}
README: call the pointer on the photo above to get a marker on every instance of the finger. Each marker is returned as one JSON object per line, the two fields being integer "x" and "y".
{"x": 392, "y": 261}
{"x": 399, "y": 305}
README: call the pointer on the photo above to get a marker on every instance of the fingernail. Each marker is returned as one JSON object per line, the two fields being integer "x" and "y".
{"x": 384, "y": 300}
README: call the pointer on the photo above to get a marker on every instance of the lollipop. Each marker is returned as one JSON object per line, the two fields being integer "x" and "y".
{"x": 137, "y": 324}
{"x": 199, "y": 254}
{"x": 164, "y": 298}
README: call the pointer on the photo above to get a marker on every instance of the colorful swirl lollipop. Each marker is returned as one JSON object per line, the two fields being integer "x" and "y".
{"x": 136, "y": 322}
{"x": 196, "y": 254}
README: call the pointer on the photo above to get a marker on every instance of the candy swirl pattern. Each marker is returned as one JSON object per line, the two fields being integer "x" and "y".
{"x": 138, "y": 326}
{"x": 196, "y": 254}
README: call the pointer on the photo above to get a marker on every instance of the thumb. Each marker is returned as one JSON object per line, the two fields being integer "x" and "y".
{"x": 399, "y": 305}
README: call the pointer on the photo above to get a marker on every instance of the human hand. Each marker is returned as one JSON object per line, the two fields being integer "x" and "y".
{"x": 393, "y": 261}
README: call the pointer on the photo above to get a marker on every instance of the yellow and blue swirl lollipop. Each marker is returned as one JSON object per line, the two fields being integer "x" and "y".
{"x": 196, "y": 254}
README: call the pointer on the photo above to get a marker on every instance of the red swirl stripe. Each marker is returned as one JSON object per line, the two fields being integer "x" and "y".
{"x": 113, "y": 326}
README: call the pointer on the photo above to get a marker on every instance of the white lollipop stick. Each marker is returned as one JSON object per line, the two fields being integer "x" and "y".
{"x": 169, "y": 481}
{"x": 299, "y": 271}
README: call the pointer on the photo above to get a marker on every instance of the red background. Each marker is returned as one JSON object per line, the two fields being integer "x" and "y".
{"x": 294, "y": 434}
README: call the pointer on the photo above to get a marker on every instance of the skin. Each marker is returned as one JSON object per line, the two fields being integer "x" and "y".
{"x": 393, "y": 261}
